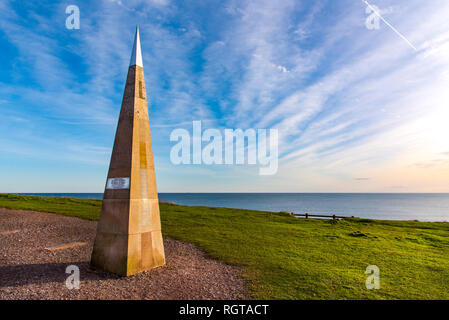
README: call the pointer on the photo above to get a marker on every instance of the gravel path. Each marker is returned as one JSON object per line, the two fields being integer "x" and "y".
{"x": 29, "y": 271}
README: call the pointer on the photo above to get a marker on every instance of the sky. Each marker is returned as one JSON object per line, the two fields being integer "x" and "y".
{"x": 357, "y": 109}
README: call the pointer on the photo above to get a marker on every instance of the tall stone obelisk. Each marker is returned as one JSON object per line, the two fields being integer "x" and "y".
{"x": 129, "y": 238}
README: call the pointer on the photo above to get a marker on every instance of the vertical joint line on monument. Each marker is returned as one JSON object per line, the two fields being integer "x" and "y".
{"x": 141, "y": 90}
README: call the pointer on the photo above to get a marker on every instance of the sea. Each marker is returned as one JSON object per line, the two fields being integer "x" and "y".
{"x": 384, "y": 206}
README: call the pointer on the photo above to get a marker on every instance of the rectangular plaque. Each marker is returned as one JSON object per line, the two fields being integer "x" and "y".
{"x": 117, "y": 183}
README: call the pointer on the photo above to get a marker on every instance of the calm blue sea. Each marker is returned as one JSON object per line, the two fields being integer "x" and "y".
{"x": 394, "y": 206}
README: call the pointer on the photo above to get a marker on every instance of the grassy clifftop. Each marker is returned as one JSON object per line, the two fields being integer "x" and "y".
{"x": 288, "y": 258}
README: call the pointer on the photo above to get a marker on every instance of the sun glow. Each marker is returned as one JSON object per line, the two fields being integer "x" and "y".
{"x": 436, "y": 129}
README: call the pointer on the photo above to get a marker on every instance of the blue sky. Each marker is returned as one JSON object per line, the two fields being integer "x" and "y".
{"x": 357, "y": 110}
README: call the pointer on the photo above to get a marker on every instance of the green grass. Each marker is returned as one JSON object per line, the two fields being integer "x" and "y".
{"x": 288, "y": 258}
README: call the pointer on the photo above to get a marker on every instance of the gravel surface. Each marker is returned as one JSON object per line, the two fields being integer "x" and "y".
{"x": 29, "y": 271}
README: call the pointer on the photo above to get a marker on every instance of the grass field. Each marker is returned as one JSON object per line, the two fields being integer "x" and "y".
{"x": 289, "y": 258}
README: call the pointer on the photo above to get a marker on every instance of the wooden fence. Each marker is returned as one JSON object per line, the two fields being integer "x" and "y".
{"x": 308, "y": 215}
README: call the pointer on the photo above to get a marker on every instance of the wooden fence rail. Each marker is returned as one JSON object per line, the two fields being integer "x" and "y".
{"x": 308, "y": 215}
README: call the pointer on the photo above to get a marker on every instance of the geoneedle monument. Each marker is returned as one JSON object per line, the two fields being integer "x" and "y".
{"x": 129, "y": 238}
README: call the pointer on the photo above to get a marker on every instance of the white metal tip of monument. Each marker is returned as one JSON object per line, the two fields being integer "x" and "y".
{"x": 136, "y": 56}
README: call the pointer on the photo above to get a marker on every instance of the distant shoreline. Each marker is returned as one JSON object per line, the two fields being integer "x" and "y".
{"x": 336, "y": 193}
{"x": 382, "y": 206}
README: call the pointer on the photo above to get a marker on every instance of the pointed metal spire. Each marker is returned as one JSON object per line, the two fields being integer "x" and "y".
{"x": 136, "y": 56}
